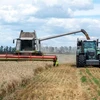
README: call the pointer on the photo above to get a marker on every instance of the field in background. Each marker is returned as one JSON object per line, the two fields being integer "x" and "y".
{"x": 64, "y": 58}
{"x": 32, "y": 80}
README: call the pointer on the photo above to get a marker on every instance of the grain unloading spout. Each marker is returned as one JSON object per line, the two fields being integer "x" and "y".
{"x": 82, "y": 30}
{"x": 85, "y": 33}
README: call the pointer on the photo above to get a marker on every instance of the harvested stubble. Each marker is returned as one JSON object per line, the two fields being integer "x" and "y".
{"x": 61, "y": 83}
{"x": 57, "y": 83}
{"x": 92, "y": 85}
{"x": 15, "y": 74}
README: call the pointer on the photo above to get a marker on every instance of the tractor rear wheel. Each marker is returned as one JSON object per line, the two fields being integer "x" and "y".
{"x": 80, "y": 61}
{"x": 99, "y": 57}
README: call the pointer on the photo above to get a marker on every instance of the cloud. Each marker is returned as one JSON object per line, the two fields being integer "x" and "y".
{"x": 72, "y": 24}
{"x": 15, "y": 14}
{"x": 91, "y": 12}
{"x": 81, "y": 4}
{"x": 20, "y": 10}
{"x": 27, "y": 9}
{"x": 15, "y": 3}
{"x": 6, "y": 38}
{"x": 61, "y": 9}
{"x": 75, "y": 4}
{"x": 54, "y": 12}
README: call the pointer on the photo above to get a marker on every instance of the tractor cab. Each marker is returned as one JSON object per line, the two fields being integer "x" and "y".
{"x": 87, "y": 53}
{"x": 90, "y": 44}
{"x": 90, "y": 49}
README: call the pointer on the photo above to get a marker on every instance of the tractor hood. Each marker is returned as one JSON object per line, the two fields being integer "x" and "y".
{"x": 90, "y": 53}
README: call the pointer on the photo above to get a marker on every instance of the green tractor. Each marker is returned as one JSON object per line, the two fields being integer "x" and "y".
{"x": 87, "y": 53}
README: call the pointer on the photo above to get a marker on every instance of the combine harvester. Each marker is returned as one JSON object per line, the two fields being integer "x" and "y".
{"x": 28, "y": 47}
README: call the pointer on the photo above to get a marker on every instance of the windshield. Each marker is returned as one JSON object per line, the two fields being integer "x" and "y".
{"x": 26, "y": 45}
{"x": 90, "y": 44}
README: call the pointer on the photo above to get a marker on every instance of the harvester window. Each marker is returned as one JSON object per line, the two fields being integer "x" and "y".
{"x": 26, "y": 45}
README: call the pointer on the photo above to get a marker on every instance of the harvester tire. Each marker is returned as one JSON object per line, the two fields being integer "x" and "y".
{"x": 80, "y": 61}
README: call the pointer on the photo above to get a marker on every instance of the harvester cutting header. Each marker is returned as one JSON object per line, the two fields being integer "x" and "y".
{"x": 29, "y": 46}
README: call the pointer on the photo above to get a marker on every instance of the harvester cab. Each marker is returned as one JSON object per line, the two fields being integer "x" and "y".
{"x": 27, "y": 43}
{"x": 87, "y": 53}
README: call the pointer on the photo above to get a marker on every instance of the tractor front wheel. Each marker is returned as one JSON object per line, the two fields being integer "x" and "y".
{"x": 80, "y": 61}
{"x": 99, "y": 59}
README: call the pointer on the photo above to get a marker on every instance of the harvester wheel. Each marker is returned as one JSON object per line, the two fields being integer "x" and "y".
{"x": 80, "y": 61}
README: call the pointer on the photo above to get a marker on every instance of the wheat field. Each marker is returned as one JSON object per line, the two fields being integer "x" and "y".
{"x": 41, "y": 81}
{"x": 16, "y": 73}
{"x": 59, "y": 83}
{"x": 65, "y": 82}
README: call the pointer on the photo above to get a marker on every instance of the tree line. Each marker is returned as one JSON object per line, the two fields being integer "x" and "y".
{"x": 7, "y": 49}
{"x": 46, "y": 49}
{"x": 59, "y": 50}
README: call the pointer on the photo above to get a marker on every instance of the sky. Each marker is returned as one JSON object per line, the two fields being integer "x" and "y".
{"x": 48, "y": 18}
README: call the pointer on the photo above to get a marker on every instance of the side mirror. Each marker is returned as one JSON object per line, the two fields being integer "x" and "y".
{"x": 13, "y": 41}
{"x": 79, "y": 43}
{"x": 97, "y": 42}
{"x": 34, "y": 43}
